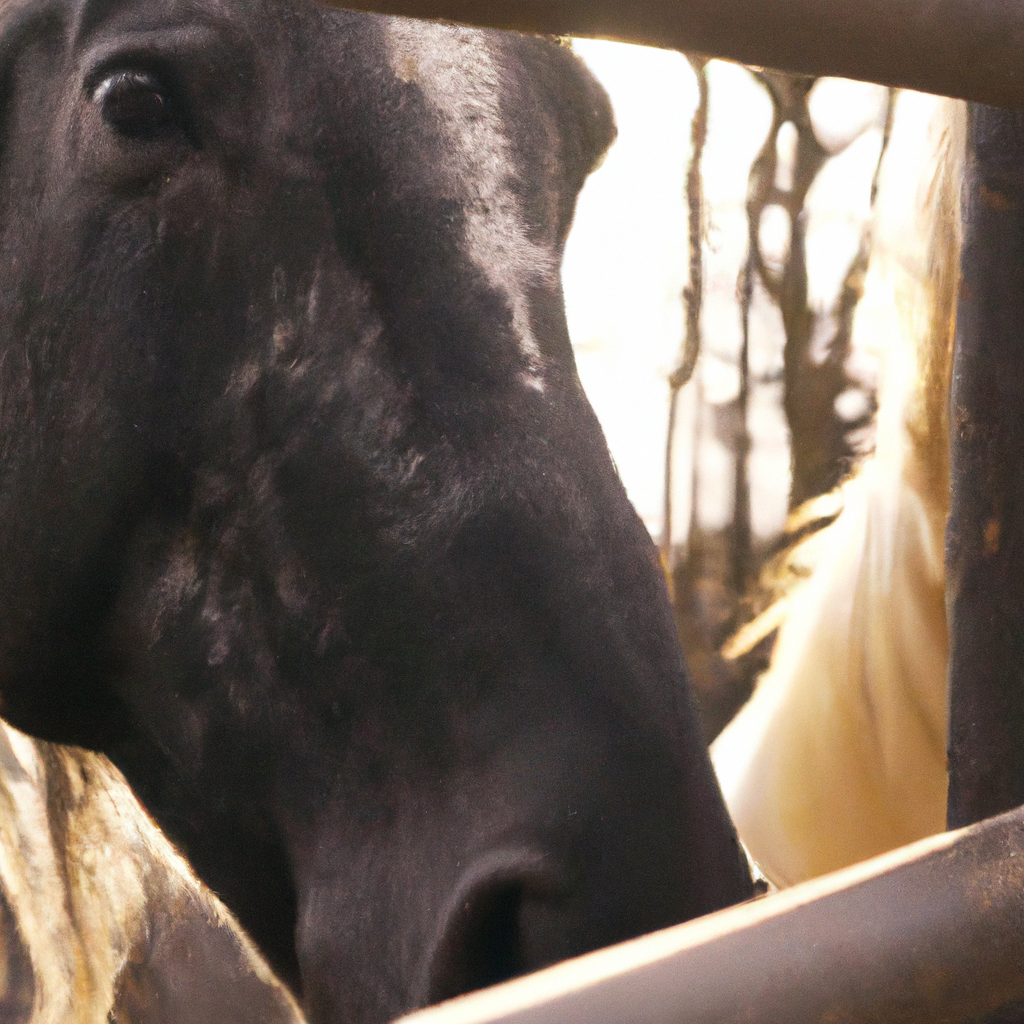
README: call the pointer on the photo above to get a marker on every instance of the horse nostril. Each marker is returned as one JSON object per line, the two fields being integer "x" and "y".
{"x": 484, "y": 932}
{"x": 481, "y": 944}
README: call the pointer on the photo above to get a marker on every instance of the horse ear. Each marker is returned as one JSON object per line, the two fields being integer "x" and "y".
{"x": 588, "y": 115}
{"x": 583, "y": 116}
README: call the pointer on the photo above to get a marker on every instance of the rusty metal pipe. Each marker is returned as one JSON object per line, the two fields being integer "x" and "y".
{"x": 934, "y": 931}
{"x": 985, "y": 534}
{"x": 973, "y": 49}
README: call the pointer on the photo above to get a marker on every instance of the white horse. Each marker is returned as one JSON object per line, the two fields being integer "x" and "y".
{"x": 841, "y": 752}
{"x": 101, "y": 921}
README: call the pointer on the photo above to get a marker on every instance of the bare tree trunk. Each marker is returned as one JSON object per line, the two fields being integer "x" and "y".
{"x": 692, "y": 300}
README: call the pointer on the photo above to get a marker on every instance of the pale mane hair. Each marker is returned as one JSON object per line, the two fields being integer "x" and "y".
{"x": 101, "y": 920}
{"x": 841, "y": 752}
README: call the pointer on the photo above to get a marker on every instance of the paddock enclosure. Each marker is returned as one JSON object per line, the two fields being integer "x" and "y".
{"x": 930, "y": 932}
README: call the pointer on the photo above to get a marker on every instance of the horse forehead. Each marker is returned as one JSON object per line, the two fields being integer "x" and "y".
{"x": 464, "y": 82}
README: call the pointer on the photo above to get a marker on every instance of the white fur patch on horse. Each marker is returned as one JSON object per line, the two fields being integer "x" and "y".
{"x": 481, "y": 161}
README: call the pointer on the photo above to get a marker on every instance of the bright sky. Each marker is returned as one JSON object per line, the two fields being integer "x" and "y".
{"x": 625, "y": 267}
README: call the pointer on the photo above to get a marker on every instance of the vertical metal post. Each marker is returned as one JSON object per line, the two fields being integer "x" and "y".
{"x": 985, "y": 535}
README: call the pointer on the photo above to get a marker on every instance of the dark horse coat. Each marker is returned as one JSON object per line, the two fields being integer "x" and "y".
{"x": 304, "y": 517}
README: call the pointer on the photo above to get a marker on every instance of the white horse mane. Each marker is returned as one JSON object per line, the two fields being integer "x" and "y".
{"x": 841, "y": 752}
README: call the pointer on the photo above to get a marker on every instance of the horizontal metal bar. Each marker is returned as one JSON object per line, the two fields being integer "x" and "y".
{"x": 934, "y": 931}
{"x": 973, "y": 49}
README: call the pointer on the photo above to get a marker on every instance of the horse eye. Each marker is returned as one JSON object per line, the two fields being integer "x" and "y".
{"x": 133, "y": 103}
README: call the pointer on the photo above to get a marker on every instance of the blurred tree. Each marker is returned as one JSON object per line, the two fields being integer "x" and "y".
{"x": 717, "y": 579}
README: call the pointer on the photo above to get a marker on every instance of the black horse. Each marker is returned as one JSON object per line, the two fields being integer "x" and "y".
{"x": 304, "y": 517}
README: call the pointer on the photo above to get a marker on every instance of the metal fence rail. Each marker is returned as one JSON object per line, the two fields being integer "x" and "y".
{"x": 985, "y": 536}
{"x": 972, "y": 49}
